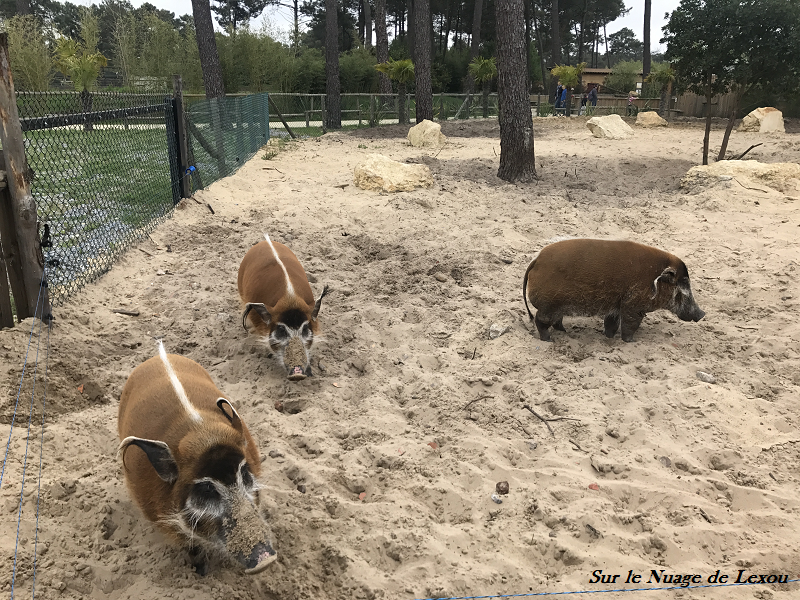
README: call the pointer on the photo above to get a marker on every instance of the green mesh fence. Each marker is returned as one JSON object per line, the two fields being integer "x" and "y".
{"x": 224, "y": 133}
{"x": 103, "y": 176}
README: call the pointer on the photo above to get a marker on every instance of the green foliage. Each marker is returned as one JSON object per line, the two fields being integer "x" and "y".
{"x": 30, "y": 58}
{"x": 624, "y": 76}
{"x": 661, "y": 74}
{"x": 484, "y": 70}
{"x": 401, "y": 71}
{"x": 568, "y": 75}
{"x": 623, "y": 46}
{"x": 80, "y": 61}
{"x": 357, "y": 71}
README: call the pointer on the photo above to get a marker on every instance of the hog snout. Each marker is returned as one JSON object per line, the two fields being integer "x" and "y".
{"x": 247, "y": 536}
{"x": 296, "y": 360}
{"x": 296, "y": 373}
{"x": 261, "y": 556}
{"x": 698, "y": 315}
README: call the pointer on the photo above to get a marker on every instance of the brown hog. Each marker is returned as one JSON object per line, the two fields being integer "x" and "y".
{"x": 620, "y": 280}
{"x": 279, "y": 302}
{"x": 191, "y": 464}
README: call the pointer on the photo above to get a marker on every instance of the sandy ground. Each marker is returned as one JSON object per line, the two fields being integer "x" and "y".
{"x": 657, "y": 471}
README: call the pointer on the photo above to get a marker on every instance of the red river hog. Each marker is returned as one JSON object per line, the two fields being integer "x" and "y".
{"x": 279, "y": 304}
{"x": 190, "y": 463}
{"x": 620, "y": 280}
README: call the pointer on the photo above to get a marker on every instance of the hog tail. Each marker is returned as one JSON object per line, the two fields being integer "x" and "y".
{"x": 525, "y": 288}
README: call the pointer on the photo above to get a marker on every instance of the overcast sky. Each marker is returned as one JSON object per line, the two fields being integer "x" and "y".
{"x": 281, "y": 18}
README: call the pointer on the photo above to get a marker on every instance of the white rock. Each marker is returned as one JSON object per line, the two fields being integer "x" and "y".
{"x": 763, "y": 120}
{"x": 706, "y": 377}
{"x": 378, "y": 172}
{"x": 496, "y": 330}
{"x": 745, "y": 176}
{"x": 426, "y": 134}
{"x": 650, "y": 119}
{"x": 610, "y": 126}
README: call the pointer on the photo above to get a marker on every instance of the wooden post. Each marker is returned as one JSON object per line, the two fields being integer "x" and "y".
{"x": 183, "y": 146}
{"x": 23, "y": 205}
{"x": 311, "y": 112}
{"x": 280, "y": 116}
{"x": 324, "y": 127}
{"x": 6, "y": 232}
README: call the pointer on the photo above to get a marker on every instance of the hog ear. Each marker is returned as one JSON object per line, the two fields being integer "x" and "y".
{"x": 319, "y": 303}
{"x": 158, "y": 453}
{"x": 260, "y": 308}
{"x": 233, "y": 416}
{"x": 668, "y": 275}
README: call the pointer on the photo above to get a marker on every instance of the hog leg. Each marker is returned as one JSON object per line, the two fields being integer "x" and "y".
{"x": 611, "y": 325}
{"x": 630, "y": 323}
{"x": 559, "y": 325}
{"x": 199, "y": 560}
{"x": 542, "y": 326}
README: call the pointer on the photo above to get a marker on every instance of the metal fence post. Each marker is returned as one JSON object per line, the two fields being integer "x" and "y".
{"x": 265, "y": 99}
{"x": 173, "y": 147}
{"x": 23, "y": 205}
{"x": 180, "y": 132}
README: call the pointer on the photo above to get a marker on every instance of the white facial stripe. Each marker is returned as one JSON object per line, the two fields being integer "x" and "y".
{"x": 289, "y": 286}
{"x": 176, "y": 385}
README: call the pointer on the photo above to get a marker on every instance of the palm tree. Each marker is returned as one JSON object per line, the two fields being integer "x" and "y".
{"x": 662, "y": 75}
{"x": 81, "y": 62}
{"x": 483, "y": 70}
{"x": 402, "y": 71}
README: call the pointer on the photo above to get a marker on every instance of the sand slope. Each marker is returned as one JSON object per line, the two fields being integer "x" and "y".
{"x": 691, "y": 477}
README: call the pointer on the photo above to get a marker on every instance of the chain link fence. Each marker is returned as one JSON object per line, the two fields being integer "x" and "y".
{"x": 103, "y": 175}
{"x": 223, "y": 134}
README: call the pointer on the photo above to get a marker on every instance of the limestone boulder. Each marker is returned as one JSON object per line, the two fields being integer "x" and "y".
{"x": 763, "y": 120}
{"x": 610, "y": 126}
{"x": 378, "y": 172}
{"x": 426, "y": 134}
{"x": 745, "y": 176}
{"x": 650, "y": 119}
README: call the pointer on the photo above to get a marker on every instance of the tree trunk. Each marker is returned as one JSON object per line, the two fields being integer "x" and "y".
{"x": 537, "y": 31}
{"x": 402, "y": 112}
{"x": 477, "y": 15}
{"x": 367, "y": 25}
{"x": 517, "y": 159}
{"x": 708, "y": 120}
{"x": 646, "y": 39}
{"x": 422, "y": 63}
{"x": 487, "y": 86}
{"x": 662, "y": 102}
{"x": 207, "y": 47}
{"x": 296, "y": 10}
{"x": 605, "y": 37}
{"x": 556, "y": 44}
{"x": 729, "y": 128}
{"x": 411, "y": 30}
{"x": 332, "y": 86}
{"x": 528, "y": 69}
{"x": 86, "y": 102}
{"x": 382, "y": 45}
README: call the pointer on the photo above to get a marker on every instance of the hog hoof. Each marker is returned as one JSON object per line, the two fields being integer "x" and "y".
{"x": 199, "y": 561}
{"x": 559, "y": 325}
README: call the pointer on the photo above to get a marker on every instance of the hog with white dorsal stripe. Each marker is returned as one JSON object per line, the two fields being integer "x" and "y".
{"x": 279, "y": 304}
{"x": 620, "y": 280}
{"x": 191, "y": 464}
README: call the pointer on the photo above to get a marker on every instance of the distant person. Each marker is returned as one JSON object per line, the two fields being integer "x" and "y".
{"x": 557, "y": 100}
{"x": 584, "y": 101}
{"x": 593, "y": 96}
{"x": 563, "y": 98}
{"x": 632, "y": 110}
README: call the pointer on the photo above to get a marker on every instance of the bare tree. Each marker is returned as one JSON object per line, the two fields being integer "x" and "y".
{"x": 469, "y": 81}
{"x": 646, "y": 39}
{"x": 367, "y": 25}
{"x": 422, "y": 61}
{"x": 517, "y": 159}
{"x": 333, "y": 116}
{"x": 382, "y": 45}
{"x": 556, "y": 45}
{"x": 207, "y": 47}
